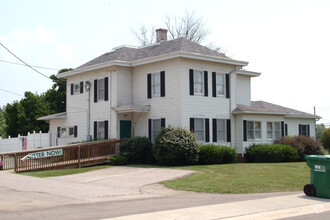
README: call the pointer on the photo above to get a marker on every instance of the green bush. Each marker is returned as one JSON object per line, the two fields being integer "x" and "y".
{"x": 304, "y": 145}
{"x": 176, "y": 146}
{"x": 117, "y": 160}
{"x": 265, "y": 153}
{"x": 325, "y": 138}
{"x": 137, "y": 150}
{"x": 214, "y": 154}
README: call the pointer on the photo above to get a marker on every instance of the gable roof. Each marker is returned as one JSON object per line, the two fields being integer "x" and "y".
{"x": 132, "y": 54}
{"x": 262, "y": 107}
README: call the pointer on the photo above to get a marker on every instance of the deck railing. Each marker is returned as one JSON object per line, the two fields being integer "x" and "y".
{"x": 74, "y": 155}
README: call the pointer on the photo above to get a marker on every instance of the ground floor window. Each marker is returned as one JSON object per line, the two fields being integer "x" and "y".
{"x": 199, "y": 129}
{"x": 221, "y": 130}
{"x": 253, "y": 130}
{"x": 156, "y": 127}
{"x": 304, "y": 130}
{"x": 273, "y": 130}
{"x": 100, "y": 130}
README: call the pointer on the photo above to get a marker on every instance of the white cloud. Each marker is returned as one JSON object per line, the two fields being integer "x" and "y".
{"x": 65, "y": 50}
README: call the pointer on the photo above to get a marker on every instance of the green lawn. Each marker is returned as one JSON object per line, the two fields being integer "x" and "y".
{"x": 224, "y": 178}
{"x": 51, "y": 173}
{"x": 244, "y": 178}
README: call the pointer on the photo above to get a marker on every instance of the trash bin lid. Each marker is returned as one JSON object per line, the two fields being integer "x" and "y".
{"x": 317, "y": 157}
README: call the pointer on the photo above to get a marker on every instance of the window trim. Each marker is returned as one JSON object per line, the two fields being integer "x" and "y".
{"x": 153, "y": 84}
{"x": 201, "y": 83}
{"x": 223, "y": 85}
{"x": 224, "y": 130}
{"x": 273, "y": 130}
{"x": 101, "y": 91}
{"x": 200, "y": 130}
{"x": 254, "y": 131}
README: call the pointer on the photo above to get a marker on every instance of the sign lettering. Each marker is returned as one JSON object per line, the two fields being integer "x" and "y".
{"x": 319, "y": 168}
{"x": 43, "y": 154}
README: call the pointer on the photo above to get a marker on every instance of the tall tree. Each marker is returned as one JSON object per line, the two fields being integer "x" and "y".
{"x": 11, "y": 118}
{"x": 189, "y": 26}
{"x": 319, "y": 129}
{"x": 2, "y": 123}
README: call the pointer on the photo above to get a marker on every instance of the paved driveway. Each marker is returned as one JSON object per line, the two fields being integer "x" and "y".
{"x": 20, "y": 192}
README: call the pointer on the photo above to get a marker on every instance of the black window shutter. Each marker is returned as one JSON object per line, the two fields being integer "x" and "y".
{"x": 95, "y": 90}
{"x": 192, "y": 124}
{"x": 206, "y": 87}
{"x": 286, "y": 129}
{"x": 162, "y": 83}
{"x": 149, "y": 85}
{"x": 95, "y": 130}
{"x": 308, "y": 131}
{"x": 106, "y": 129}
{"x": 214, "y": 130}
{"x": 227, "y": 86}
{"x": 75, "y": 131}
{"x": 58, "y": 132}
{"x": 162, "y": 123}
{"x": 71, "y": 88}
{"x": 106, "y": 88}
{"x": 244, "y": 130}
{"x": 228, "y": 130}
{"x": 149, "y": 129}
{"x": 207, "y": 130}
{"x": 300, "y": 129}
{"x": 191, "y": 81}
{"x": 282, "y": 128}
{"x": 214, "y": 84}
{"x": 81, "y": 87}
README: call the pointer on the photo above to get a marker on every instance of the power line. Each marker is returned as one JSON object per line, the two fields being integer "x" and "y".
{"x": 11, "y": 92}
{"x": 23, "y": 61}
{"x": 39, "y": 67}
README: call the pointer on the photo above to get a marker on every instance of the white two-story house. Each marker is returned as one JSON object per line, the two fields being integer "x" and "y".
{"x": 135, "y": 91}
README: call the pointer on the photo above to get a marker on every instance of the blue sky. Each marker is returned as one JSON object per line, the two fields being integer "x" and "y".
{"x": 287, "y": 41}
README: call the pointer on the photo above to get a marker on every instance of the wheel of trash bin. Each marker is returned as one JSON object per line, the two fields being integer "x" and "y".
{"x": 310, "y": 190}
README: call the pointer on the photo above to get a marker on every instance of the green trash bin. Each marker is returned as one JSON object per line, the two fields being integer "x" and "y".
{"x": 320, "y": 176}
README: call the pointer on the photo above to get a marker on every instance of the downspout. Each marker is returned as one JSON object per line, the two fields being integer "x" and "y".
{"x": 230, "y": 102}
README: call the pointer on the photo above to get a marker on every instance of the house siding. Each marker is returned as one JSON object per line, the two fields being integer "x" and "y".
{"x": 243, "y": 90}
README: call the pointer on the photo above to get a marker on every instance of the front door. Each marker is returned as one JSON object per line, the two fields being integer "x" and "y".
{"x": 125, "y": 129}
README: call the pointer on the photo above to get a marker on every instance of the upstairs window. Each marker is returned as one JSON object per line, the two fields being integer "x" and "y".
{"x": 198, "y": 83}
{"x": 100, "y": 89}
{"x": 156, "y": 84}
{"x": 220, "y": 84}
{"x": 77, "y": 88}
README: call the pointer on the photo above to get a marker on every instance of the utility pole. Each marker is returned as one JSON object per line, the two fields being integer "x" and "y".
{"x": 315, "y": 123}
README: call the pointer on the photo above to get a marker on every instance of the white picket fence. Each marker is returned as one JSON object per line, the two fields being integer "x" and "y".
{"x": 31, "y": 141}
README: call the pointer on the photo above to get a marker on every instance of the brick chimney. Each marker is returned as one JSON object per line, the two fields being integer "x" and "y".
{"x": 161, "y": 35}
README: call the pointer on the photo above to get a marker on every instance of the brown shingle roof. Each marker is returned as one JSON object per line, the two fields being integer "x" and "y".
{"x": 133, "y": 54}
{"x": 266, "y": 107}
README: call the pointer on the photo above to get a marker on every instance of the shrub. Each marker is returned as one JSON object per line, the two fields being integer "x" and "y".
{"x": 304, "y": 145}
{"x": 214, "y": 154}
{"x": 176, "y": 146}
{"x": 263, "y": 153}
{"x": 117, "y": 160}
{"x": 137, "y": 150}
{"x": 325, "y": 138}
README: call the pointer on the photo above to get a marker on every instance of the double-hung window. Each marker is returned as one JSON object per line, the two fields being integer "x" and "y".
{"x": 100, "y": 89}
{"x": 156, "y": 127}
{"x": 76, "y": 88}
{"x": 198, "y": 82}
{"x": 273, "y": 130}
{"x": 156, "y": 84}
{"x": 253, "y": 130}
{"x": 304, "y": 130}
{"x": 71, "y": 132}
{"x": 63, "y": 132}
{"x": 100, "y": 130}
{"x": 199, "y": 129}
{"x": 221, "y": 130}
{"x": 220, "y": 84}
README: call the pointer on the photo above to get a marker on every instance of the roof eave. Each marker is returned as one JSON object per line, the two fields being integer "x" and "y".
{"x": 95, "y": 67}
{"x": 257, "y": 113}
{"x": 189, "y": 56}
{"x": 248, "y": 73}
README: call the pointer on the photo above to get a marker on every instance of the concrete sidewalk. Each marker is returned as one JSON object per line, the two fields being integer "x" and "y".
{"x": 277, "y": 207}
